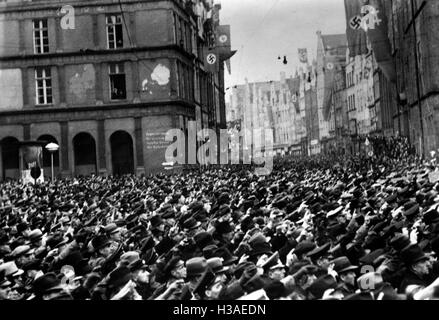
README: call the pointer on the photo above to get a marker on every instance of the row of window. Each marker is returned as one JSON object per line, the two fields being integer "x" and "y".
{"x": 114, "y": 26}
{"x": 117, "y": 84}
{"x": 44, "y": 91}
{"x": 115, "y": 39}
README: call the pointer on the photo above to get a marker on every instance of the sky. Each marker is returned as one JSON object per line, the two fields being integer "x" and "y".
{"x": 262, "y": 30}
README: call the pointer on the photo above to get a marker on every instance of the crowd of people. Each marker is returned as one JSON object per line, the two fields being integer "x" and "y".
{"x": 316, "y": 228}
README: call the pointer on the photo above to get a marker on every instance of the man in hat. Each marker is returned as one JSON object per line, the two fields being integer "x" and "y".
{"x": 102, "y": 250}
{"x": 22, "y": 255}
{"x": 418, "y": 267}
{"x": 175, "y": 273}
{"x": 140, "y": 276}
{"x": 346, "y": 274}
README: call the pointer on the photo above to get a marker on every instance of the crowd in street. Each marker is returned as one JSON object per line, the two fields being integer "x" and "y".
{"x": 316, "y": 228}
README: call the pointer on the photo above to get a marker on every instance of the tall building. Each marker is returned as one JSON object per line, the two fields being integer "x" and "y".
{"x": 331, "y": 53}
{"x": 107, "y": 84}
{"x": 413, "y": 35}
{"x": 272, "y": 105}
{"x": 360, "y": 98}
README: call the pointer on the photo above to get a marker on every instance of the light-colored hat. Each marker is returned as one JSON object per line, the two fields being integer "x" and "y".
{"x": 11, "y": 269}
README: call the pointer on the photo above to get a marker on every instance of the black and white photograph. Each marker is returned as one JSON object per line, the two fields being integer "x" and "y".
{"x": 231, "y": 151}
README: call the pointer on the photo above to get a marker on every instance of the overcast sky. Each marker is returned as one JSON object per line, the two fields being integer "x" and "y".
{"x": 262, "y": 30}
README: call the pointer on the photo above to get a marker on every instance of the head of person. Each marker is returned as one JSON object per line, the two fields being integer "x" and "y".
{"x": 277, "y": 272}
{"x": 195, "y": 268}
{"x": 176, "y": 268}
{"x": 214, "y": 290}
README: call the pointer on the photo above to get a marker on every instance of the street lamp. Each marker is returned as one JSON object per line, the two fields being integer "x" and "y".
{"x": 52, "y": 148}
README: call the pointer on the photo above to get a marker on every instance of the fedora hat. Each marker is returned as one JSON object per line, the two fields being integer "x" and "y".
{"x": 47, "y": 283}
{"x": 10, "y": 269}
{"x": 342, "y": 264}
{"x": 99, "y": 242}
{"x": 413, "y": 254}
{"x": 216, "y": 265}
{"x": 320, "y": 285}
{"x": 318, "y": 252}
{"x": 226, "y": 255}
{"x": 203, "y": 239}
{"x": 196, "y": 267}
{"x": 304, "y": 247}
{"x": 191, "y": 224}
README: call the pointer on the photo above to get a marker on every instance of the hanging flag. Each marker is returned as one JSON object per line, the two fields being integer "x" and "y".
{"x": 211, "y": 60}
{"x": 223, "y": 45}
{"x": 357, "y": 39}
{"x": 377, "y": 33}
{"x": 223, "y": 37}
{"x": 303, "y": 55}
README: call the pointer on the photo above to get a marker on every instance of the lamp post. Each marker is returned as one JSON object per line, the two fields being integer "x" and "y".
{"x": 52, "y": 148}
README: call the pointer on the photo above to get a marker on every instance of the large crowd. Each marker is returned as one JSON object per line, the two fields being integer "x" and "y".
{"x": 317, "y": 228}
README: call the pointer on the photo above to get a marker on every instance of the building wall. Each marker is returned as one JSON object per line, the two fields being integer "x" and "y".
{"x": 164, "y": 80}
{"x": 11, "y": 97}
{"x": 427, "y": 24}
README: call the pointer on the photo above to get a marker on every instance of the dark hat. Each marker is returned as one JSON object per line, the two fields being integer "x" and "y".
{"x": 431, "y": 216}
{"x": 196, "y": 266}
{"x": 48, "y": 282}
{"x": 371, "y": 257}
{"x": 275, "y": 290}
{"x": 390, "y": 199}
{"x": 399, "y": 242}
{"x": 137, "y": 265}
{"x": 319, "y": 251}
{"x": 119, "y": 277}
{"x": 255, "y": 283}
{"x": 196, "y": 206}
{"x": 223, "y": 227}
{"x": 342, "y": 264}
{"x": 99, "y": 242}
{"x": 412, "y": 254}
{"x": 304, "y": 247}
{"x": 203, "y": 239}
{"x": 209, "y": 251}
{"x": 411, "y": 209}
{"x": 216, "y": 265}
{"x": 191, "y": 223}
{"x": 226, "y": 255}
{"x": 155, "y": 221}
{"x": 320, "y": 285}
{"x": 260, "y": 248}
{"x": 164, "y": 246}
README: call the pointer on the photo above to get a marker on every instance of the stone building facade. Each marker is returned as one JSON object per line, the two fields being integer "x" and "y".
{"x": 108, "y": 90}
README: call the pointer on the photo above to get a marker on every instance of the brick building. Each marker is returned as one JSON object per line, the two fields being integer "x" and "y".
{"x": 108, "y": 90}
